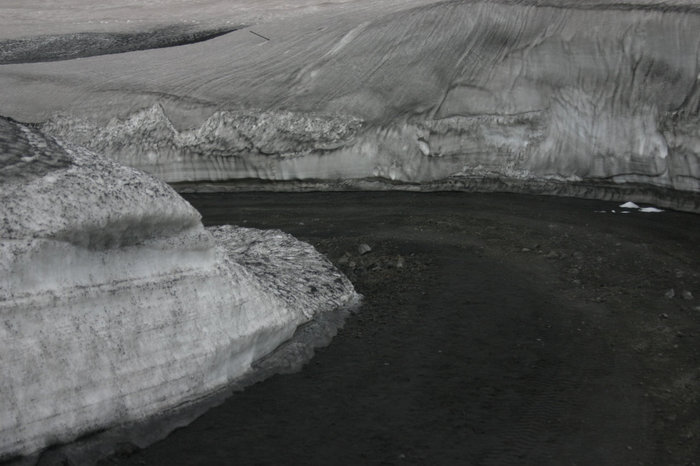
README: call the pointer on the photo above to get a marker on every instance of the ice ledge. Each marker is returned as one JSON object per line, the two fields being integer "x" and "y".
{"x": 117, "y": 305}
{"x": 569, "y": 90}
{"x": 535, "y": 146}
{"x": 83, "y": 359}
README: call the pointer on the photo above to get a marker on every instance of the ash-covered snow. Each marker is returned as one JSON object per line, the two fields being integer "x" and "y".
{"x": 116, "y": 304}
{"x": 413, "y": 93}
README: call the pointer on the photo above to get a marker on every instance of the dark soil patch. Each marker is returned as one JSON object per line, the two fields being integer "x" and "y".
{"x": 496, "y": 329}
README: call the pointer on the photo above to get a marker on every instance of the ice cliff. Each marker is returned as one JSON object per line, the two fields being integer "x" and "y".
{"x": 116, "y": 304}
{"x": 418, "y": 93}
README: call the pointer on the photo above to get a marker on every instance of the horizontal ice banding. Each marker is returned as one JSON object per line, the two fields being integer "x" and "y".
{"x": 118, "y": 305}
{"x": 409, "y": 92}
{"x": 148, "y": 135}
{"x": 294, "y": 146}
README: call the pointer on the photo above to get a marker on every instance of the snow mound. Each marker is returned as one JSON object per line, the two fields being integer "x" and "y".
{"x": 117, "y": 304}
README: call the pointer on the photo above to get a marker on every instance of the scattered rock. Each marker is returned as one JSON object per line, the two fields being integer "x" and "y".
{"x": 344, "y": 259}
{"x": 400, "y": 262}
{"x": 525, "y": 250}
{"x": 629, "y": 205}
{"x": 687, "y": 295}
{"x": 364, "y": 249}
{"x": 663, "y": 315}
{"x": 670, "y": 294}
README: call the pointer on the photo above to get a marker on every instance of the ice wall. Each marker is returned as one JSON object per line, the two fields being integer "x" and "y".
{"x": 444, "y": 92}
{"x": 116, "y": 304}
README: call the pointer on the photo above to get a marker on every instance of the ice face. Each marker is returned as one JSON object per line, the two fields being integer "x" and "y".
{"x": 118, "y": 305}
{"x": 412, "y": 92}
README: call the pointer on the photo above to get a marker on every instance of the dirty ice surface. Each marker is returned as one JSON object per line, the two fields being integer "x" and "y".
{"x": 117, "y": 304}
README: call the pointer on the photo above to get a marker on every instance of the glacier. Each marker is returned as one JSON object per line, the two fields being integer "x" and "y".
{"x": 117, "y": 305}
{"x": 561, "y": 97}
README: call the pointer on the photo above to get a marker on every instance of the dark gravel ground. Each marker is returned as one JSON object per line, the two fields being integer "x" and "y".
{"x": 496, "y": 329}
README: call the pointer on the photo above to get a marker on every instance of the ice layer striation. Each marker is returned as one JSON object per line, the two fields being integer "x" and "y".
{"x": 418, "y": 92}
{"x": 116, "y": 304}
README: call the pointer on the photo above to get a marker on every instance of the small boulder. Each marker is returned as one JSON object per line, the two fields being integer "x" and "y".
{"x": 364, "y": 249}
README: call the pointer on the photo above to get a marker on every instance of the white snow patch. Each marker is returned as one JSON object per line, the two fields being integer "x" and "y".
{"x": 424, "y": 147}
{"x": 629, "y": 205}
{"x": 650, "y": 210}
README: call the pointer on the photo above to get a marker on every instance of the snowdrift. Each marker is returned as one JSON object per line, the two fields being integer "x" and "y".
{"x": 116, "y": 304}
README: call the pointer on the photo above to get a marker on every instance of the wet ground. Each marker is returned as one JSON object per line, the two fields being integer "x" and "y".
{"x": 496, "y": 329}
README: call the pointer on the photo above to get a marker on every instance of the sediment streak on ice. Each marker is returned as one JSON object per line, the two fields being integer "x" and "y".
{"x": 116, "y": 304}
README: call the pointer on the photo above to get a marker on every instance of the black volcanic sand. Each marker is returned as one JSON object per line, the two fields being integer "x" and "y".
{"x": 496, "y": 330}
